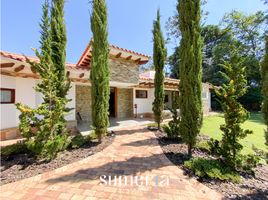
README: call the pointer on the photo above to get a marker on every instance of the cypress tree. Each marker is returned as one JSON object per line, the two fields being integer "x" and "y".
{"x": 99, "y": 75}
{"x": 159, "y": 58}
{"x": 190, "y": 71}
{"x": 264, "y": 73}
{"x": 58, "y": 46}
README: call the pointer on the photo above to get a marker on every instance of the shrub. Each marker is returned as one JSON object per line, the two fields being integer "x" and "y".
{"x": 203, "y": 145}
{"x": 48, "y": 149}
{"x": 212, "y": 169}
{"x": 234, "y": 113}
{"x": 77, "y": 141}
{"x": 13, "y": 149}
{"x": 247, "y": 162}
{"x": 172, "y": 129}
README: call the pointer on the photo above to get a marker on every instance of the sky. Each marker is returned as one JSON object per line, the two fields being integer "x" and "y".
{"x": 130, "y": 22}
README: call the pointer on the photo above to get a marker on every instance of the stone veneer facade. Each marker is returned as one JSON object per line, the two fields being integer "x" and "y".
{"x": 125, "y": 103}
{"x": 124, "y": 72}
{"x": 83, "y": 102}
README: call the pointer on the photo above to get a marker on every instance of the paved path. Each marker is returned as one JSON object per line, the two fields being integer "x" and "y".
{"x": 134, "y": 152}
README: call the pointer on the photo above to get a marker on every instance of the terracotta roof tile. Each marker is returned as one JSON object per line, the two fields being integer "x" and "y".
{"x": 21, "y": 57}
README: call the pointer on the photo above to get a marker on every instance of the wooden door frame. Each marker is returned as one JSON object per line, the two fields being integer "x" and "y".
{"x": 115, "y": 102}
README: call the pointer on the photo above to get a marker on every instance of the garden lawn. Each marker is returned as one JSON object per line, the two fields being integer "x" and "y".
{"x": 211, "y": 127}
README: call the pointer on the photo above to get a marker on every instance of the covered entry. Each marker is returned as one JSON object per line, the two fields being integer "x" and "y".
{"x": 120, "y": 103}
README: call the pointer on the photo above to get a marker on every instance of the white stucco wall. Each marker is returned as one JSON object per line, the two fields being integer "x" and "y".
{"x": 25, "y": 93}
{"x": 144, "y": 105}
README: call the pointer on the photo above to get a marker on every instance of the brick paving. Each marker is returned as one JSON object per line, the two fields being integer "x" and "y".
{"x": 133, "y": 155}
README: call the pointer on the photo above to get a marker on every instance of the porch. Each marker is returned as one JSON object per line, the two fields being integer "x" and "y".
{"x": 115, "y": 123}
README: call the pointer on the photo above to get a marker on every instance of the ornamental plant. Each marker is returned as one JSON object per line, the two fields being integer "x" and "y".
{"x": 100, "y": 75}
{"x": 190, "y": 86}
{"x": 159, "y": 58}
{"x": 45, "y": 127}
{"x": 234, "y": 113}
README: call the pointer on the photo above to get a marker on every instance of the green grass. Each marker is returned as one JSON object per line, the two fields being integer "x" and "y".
{"x": 255, "y": 123}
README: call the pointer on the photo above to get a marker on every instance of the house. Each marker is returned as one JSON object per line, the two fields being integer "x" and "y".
{"x": 131, "y": 93}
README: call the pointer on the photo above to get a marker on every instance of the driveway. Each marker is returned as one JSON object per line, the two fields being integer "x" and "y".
{"x": 132, "y": 167}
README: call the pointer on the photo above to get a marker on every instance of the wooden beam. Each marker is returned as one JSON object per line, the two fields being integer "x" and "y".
{"x": 118, "y": 55}
{"x": 19, "y": 68}
{"x": 138, "y": 60}
{"x": 82, "y": 75}
{"x": 33, "y": 70}
{"x": 143, "y": 62}
{"x": 6, "y": 65}
{"x": 129, "y": 57}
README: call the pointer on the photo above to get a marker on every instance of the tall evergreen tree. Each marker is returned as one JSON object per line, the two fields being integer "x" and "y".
{"x": 50, "y": 135}
{"x": 159, "y": 58}
{"x": 190, "y": 71}
{"x": 264, "y": 73}
{"x": 99, "y": 75}
{"x": 58, "y": 46}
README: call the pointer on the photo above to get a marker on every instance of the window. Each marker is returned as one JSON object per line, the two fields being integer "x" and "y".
{"x": 166, "y": 98}
{"x": 141, "y": 94}
{"x": 7, "y": 96}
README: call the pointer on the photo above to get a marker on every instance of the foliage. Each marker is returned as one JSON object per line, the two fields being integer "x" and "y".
{"x": 45, "y": 127}
{"x": 99, "y": 75}
{"x": 213, "y": 169}
{"x": 264, "y": 74}
{"x": 174, "y": 63}
{"x": 77, "y": 141}
{"x": 13, "y": 149}
{"x": 243, "y": 31}
{"x": 203, "y": 145}
{"x": 190, "y": 72}
{"x": 211, "y": 128}
{"x": 234, "y": 113}
{"x": 172, "y": 129}
{"x": 159, "y": 58}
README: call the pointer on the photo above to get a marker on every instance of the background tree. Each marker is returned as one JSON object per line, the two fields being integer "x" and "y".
{"x": 50, "y": 133}
{"x": 99, "y": 75}
{"x": 234, "y": 113}
{"x": 159, "y": 57}
{"x": 264, "y": 73}
{"x": 236, "y": 28}
{"x": 190, "y": 86}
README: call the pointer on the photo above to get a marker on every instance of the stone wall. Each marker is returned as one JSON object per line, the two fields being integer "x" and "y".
{"x": 125, "y": 103}
{"x": 83, "y": 102}
{"x": 124, "y": 72}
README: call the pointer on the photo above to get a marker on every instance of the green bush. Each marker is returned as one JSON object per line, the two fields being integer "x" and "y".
{"x": 48, "y": 149}
{"x": 203, "y": 145}
{"x": 13, "y": 149}
{"x": 92, "y": 136}
{"x": 172, "y": 129}
{"x": 212, "y": 169}
{"x": 247, "y": 162}
{"x": 77, "y": 141}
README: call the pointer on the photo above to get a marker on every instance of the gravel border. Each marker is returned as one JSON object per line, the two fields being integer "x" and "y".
{"x": 21, "y": 166}
{"x": 250, "y": 188}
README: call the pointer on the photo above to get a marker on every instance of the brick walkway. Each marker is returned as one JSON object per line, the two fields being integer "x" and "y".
{"x": 133, "y": 153}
